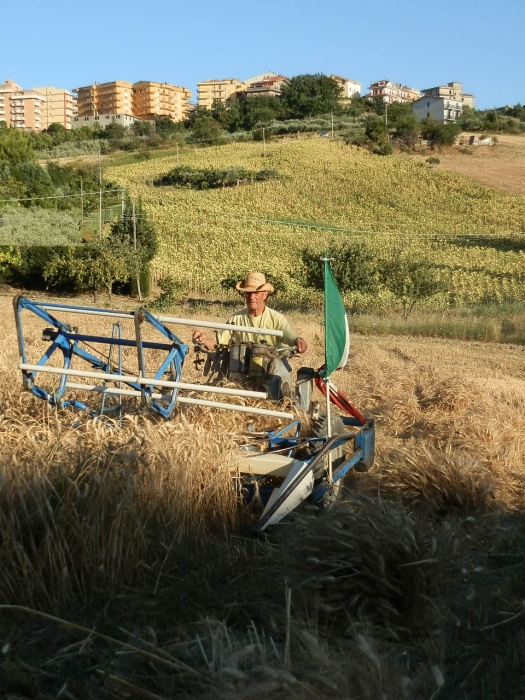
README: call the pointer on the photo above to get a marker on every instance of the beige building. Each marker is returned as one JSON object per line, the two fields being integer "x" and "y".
{"x": 23, "y": 109}
{"x": 349, "y": 88}
{"x": 105, "y": 98}
{"x": 392, "y": 92}
{"x": 151, "y": 100}
{"x": 450, "y": 91}
{"x": 60, "y": 106}
{"x": 223, "y": 90}
{"x": 144, "y": 99}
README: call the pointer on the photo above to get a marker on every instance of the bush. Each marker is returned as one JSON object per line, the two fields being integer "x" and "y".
{"x": 185, "y": 176}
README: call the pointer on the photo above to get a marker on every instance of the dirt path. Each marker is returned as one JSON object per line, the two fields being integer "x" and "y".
{"x": 501, "y": 166}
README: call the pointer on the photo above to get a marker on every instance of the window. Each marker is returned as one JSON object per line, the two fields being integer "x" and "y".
{"x": 96, "y": 119}
{"x": 107, "y": 116}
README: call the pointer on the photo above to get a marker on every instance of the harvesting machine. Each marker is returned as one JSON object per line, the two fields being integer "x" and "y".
{"x": 282, "y": 465}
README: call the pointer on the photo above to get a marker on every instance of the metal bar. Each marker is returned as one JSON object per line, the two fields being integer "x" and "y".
{"x": 146, "y": 381}
{"x": 220, "y": 326}
{"x": 80, "y": 337}
{"x": 163, "y": 319}
{"x": 183, "y": 399}
{"x": 85, "y": 310}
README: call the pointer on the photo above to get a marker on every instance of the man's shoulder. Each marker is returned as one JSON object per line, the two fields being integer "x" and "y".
{"x": 238, "y": 316}
{"x": 274, "y": 315}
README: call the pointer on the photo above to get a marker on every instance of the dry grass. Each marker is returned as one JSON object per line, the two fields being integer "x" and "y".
{"x": 411, "y": 587}
{"x": 501, "y": 166}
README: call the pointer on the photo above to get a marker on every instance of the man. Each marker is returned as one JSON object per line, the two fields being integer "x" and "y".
{"x": 256, "y": 314}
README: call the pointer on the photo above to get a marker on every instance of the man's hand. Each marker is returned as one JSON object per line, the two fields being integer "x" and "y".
{"x": 301, "y": 345}
{"x": 203, "y": 339}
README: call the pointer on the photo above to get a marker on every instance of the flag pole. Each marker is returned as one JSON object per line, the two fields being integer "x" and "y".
{"x": 327, "y": 387}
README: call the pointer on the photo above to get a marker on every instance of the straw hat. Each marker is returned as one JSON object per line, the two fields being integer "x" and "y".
{"x": 254, "y": 282}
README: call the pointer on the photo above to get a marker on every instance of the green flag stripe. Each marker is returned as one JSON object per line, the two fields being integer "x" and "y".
{"x": 336, "y": 335}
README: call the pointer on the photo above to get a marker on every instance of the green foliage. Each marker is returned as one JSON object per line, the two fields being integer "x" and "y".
{"x": 411, "y": 281}
{"x": 185, "y": 176}
{"x": 357, "y": 267}
{"x": 15, "y": 147}
{"x": 36, "y": 183}
{"x": 310, "y": 96}
{"x": 38, "y": 227}
{"x": 407, "y": 129}
{"x": 376, "y": 130}
{"x": 439, "y": 134}
{"x": 205, "y": 129}
{"x": 96, "y": 264}
{"x": 9, "y": 257}
{"x": 166, "y": 129}
{"x": 352, "y": 263}
{"x": 28, "y": 269}
{"x": 432, "y": 161}
{"x": 170, "y": 293}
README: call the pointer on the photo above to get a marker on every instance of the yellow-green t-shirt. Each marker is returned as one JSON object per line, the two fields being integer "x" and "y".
{"x": 269, "y": 318}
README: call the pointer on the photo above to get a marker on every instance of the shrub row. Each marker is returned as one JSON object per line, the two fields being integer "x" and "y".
{"x": 185, "y": 176}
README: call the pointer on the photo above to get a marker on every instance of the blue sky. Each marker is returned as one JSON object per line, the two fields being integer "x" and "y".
{"x": 420, "y": 44}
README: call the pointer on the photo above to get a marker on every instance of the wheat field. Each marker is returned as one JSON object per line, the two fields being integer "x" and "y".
{"x": 127, "y": 567}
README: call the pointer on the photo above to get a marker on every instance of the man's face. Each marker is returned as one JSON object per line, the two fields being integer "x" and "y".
{"x": 255, "y": 302}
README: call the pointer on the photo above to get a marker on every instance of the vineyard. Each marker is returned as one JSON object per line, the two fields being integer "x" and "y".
{"x": 326, "y": 192}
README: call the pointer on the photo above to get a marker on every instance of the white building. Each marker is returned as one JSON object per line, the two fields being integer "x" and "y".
{"x": 349, "y": 88}
{"x": 443, "y": 109}
{"x": 103, "y": 120}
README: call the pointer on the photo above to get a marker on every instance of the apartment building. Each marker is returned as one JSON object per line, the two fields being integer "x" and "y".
{"x": 151, "y": 100}
{"x": 60, "y": 106}
{"x": 115, "y": 97}
{"x": 445, "y": 110}
{"x": 392, "y": 92}
{"x": 223, "y": 90}
{"x": 450, "y": 91}
{"x": 20, "y": 108}
{"x": 349, "y": 88}
{"x": 269, "y": 85}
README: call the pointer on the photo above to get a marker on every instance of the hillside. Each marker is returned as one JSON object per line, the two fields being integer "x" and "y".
{"x": 326, "y": 191}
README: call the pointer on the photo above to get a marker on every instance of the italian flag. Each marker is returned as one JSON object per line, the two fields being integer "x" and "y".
{"x": 336, "y": 331}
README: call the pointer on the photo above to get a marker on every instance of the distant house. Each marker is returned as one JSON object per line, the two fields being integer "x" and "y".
{"x": 452, "y": 90}
{"x": 392, "y": 92}
{"x": 349, "y": 88}
{"x": 443, "y": 110}
{"x": 268, "y": 84}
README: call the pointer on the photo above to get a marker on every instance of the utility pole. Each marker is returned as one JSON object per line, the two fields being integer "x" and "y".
{"x": 81, "y": 201}
{"x": 332, "y": 126}
{"x": 122, "y": 202}
{"x": 177, "y": 154}
{"x": 264, "y": 144}
{"x": 386, "y": 113}
{"x": 133, "y": 218}
{"x": 99, "y": 195}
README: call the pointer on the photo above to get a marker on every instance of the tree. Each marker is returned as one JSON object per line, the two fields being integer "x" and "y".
{"x": 36, "y": 183}
{"x": 353, "y": 267}
{"x": 408, "y": 129}
{"x": 165, "y": 128}
{"x": 142, "y": 128}
{"x": 376, "y": 130}
{"x": 310, "y": 96}
{"x": 94, "y": 265}
{"x": 135, "y": 236}
{"x": 207, "y": 130}
{"x": 15, "y": 147}
{"x": 411, "y": 281}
